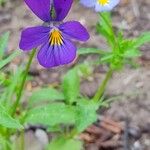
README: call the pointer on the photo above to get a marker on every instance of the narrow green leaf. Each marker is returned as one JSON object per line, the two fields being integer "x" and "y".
{"x": 65, "y": 144}
{"x": 132, "y": 53}
{"x": 106, "y": 58}
{"x": 82, "y": 51}
{"x": 51, "y": 115}
{"x": 71, "y": 85}
{"x": 3, "y": 44}
{"x": 46, "y": 94}
{"x": 8, "y": 59}
{"x": 7, "y": 121}
{"x": 142, "y": 39}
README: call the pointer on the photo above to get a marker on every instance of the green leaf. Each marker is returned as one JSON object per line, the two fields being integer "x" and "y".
{"x": 86, "y": 114}
{"x": 65, "y": 144}
{"x": 2, "y": 78}
{"x": 46, "y": 94}
{"x": 71, "y": 85}
{"x": 8, "y": 59}
{"x": 106, "y": 58}
{"x": 142, "y": 39}
{"x": 3, "y": 44}
{"x": 3, "y": 143}
{"x": 82, "y": 51}
{"x": 51, "y": 115}
{"x": 7, "y": 121}
{"x": 132, "y": 53}
{"x": 55, "y": 129}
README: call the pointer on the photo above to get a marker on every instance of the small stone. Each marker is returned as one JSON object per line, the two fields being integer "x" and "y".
{"x": 41, "y": 136}
{"x": 137, "y": 146}
{"x": 135, "y": 132}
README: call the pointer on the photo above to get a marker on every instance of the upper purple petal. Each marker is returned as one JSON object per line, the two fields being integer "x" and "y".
{"x": 41, "y": 8}
{"x": 52, "y": 56}
{"x": 33, "y": 37}
{"x": 62, "y": 8}
{"x": 75, "y": 30}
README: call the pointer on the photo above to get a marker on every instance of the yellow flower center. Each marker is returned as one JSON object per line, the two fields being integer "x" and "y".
{"x": 55, "y": 37}
{"x": 103, "y": 2}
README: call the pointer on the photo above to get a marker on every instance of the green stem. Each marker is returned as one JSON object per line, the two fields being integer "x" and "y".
{"x": 22, "y": 144}
{"x": 23, "y": 82}
{"x": 109, "y": 24}
{"x": 106, "y": 21}
{"x": 73, "y": 133}
{"x": 102, "y": 87}
{"x": 7, "y": 147}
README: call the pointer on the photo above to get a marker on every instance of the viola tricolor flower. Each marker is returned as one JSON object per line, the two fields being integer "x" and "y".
{"x": 100, "y": 5}
{"x": 53, "y": 36}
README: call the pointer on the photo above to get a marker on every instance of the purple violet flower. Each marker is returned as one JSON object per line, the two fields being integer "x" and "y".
{"x": 53, "y": 36}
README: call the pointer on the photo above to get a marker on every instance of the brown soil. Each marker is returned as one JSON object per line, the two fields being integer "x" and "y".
{"x": 130, "y": 87}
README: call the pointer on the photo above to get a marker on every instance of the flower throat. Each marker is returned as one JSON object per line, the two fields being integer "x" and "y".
{"x": 103, "y": 2}
{"x": 55, "y": 38}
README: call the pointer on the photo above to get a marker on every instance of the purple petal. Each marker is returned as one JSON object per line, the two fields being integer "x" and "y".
{"x": 52, "y": 56}
{"x": 75, "y": 30}
{"x": 33, "y": 37}
{"x": 62, "y": 8}
{"x": 41, "y": 8}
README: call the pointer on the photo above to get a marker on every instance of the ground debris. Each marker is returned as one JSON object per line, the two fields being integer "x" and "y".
{"x": 106, "y": 134}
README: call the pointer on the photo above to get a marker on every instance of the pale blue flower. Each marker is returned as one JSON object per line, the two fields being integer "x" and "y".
{"x": 100, "y": 5}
